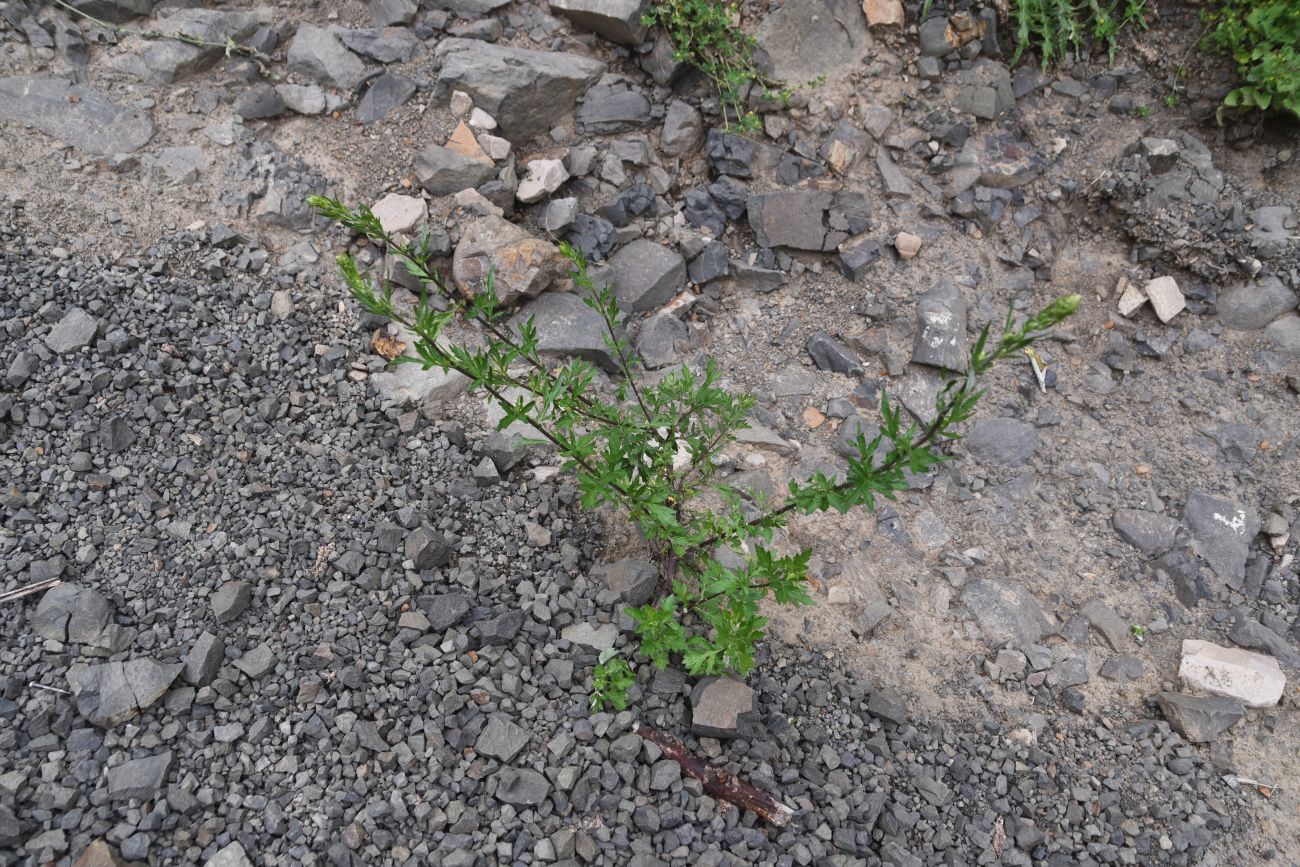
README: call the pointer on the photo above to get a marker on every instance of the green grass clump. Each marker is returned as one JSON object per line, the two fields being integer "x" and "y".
{"x": 1263, "y": 38}
{"x": 704, "y": 34}
{"x": 1057, "y": 28}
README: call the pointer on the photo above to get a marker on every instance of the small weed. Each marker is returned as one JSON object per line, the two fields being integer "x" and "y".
{"x": 1056, "y": 28}
{"x": 1171, "y": 99}
{"x": 1142, "y": 111}
{"x": 705, "y": 35}
{"x": 651, "y": 451}
{"x": 1263, "y": 38}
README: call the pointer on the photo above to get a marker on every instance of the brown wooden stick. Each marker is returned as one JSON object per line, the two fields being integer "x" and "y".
{"x": 719, "y": 783}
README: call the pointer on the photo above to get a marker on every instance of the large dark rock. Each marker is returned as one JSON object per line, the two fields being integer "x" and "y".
{"x": 1221, "y": 532}
{"x": 1005, "y": 613}
{"x": 616, "y": 20}
{"x": 443, "y": 171}
{"x": 1254, "y": 304}
{"x": 568, "y": 327}
{"x": 646, "y": 275}
{"x": 318, "y": 54}
{"x": 526, "y": 91}
{"x": 941, "y": 328}
{"x": 1150, "y": 532}
{"x": 74, "y": 114}
{"x": 162, "y": 61}
{"x": 1197, "y": 718}
{"x": 806, "y": 219}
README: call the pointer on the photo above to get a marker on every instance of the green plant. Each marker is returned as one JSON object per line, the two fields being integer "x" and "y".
{"x": 652, "y": 449}
{"x": 1171, "y": 99}
{"x": 1263, "y": 38}
{"x": 610, "y": 681}
{"x": 1142, "y": 111}
{"x": 704, "y": 35}
{"x": 1055, "y": 28}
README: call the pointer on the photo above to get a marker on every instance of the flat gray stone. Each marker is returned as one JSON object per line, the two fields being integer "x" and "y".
{"x": 258, "y": 662}
{"x": 229, "y": 600}
{"x": 382, "y": 44}
{"x": 723, "y": 707}
{"x": 568, "y": 327}
{"x": 941, "y": 329}
{"x": 139, "y": 779}
{"x": 1252, "y": 305}
{"x": 633, "y": 580}
{"x": 72, "y": 614}
{"x": 683, "y": 129}
{"x": 521, "y": 787}
{"x": 1005, "y": 613}
{"x": 204, "y": 659}
{"x": 114, "y": 692}
{"x": 646, "y": 275}
{"x": 1284, "y": 334}
{"x": 72, "y": 113}
{"x": 318, "y": 54}
{"x": 74, "y": 331}
{"x": 163, "y": 61}
{"x": 598, "y": 637}
{"x": 231, "y": 855}
{"x": 1200, "y": 719}
{"x": 1107, "y": 623}
{"x": 385, "y": 93}
{"x": 526, "y": 91}
{"x": 1221, "y": 532}
{"x": 1005, "y": 442}
{"x": 616, "y": 20}
{"x": 444, "y": 610}
{"x": 443, "y": 171}
{"x": 809, "y": 38}
{"x": 1152, "y": 533}
{"x": 806, "y": 219}
{"x": 501, "y": 739}
{"x": 114, "y": 11}
{"x": 611, "y": 109}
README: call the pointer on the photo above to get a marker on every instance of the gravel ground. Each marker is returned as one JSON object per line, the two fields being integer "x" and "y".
{"x": 394, "y": 686}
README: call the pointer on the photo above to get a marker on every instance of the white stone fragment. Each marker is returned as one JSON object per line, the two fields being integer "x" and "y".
{"x": 1130, "y": 299}
{"x": 1253, "y": 679}
{"x": 1166, "y": 298}
{"x": 398, "y": 213}
{"x": 544, "y": 177}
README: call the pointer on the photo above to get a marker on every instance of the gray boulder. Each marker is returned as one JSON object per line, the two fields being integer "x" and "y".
{"x": 385, "y": 93}
{"x": 632, "y": 581}
{"x": 683, "y": 129}
{"x": 1150, "y": 532}
{"x": 1005, "y": 442}
{"x": 115, "y": 11}
{"x": 80, "y": 116}
{"x": 114, "y": 692}
{"x": 382, "y": 44}
{"x": 386, "y": 13}
{"x": 501, "y": 739}
{"x": 521, "y": 787}
{"x": 646, "y": 275}
{"x": 809, "y": 38}
{"x": 318, "y": 54}
{"x": 984, "y": 90}
{"x": 1252, "y": 305}
{"x": 1221, "y": 532}
{"x": 442, "y": 171}
{"x": 616, "y": 20}
{"x": 139, "y": 779}
{"x": 1006, "y": 614}
{"x": 568, "y": 327}
{"x": 723, "y": 707}
{"x": 941, "y": 329}
{"x": 204, "y": 659}
{"x": 162, "y": 61}
{"x": 1200, "y": 719}
{"x": 612, "y": 108}
{"x": 1284, "y": 334}
{"x": 526, "y": 91}
{"x": 806, "y": 219}
{"x": 522, "y": 266}
{"x": 72, "y": 614}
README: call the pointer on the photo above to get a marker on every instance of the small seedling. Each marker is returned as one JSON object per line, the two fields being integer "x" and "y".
{"x": 1139, "y": 633}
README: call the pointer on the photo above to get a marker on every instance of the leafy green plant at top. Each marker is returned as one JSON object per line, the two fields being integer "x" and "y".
{"x": 1057, "y": 28}
{"x": 704, "y": 34}
{"x": 1263, "y": 38}
{"x": 653, "y": 450}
